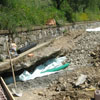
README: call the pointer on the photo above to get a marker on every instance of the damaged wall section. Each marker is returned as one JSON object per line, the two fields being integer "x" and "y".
{"x": 39, "y": 35}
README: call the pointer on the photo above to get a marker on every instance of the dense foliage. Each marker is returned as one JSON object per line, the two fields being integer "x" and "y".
{"x": 21, "y": 13}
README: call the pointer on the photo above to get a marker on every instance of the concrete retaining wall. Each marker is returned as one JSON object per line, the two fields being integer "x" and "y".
{"x": 42, "y": 34}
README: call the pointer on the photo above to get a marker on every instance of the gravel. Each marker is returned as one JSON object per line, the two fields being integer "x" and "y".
{"x": 80, "y": 55}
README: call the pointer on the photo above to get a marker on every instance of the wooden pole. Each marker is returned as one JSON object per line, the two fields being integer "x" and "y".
{"x": 13, "y": 73}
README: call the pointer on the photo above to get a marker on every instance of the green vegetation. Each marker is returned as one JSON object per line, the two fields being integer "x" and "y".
{"x": 26, "y": 13}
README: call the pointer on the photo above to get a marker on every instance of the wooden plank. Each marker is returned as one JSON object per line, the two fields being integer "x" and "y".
{"x": 7, "y": 91}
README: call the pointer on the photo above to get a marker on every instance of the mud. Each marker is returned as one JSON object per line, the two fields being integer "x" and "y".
{"x": 84, "y": 56}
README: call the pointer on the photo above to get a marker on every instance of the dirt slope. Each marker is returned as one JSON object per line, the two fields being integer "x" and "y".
{"x": 80, "y": 51}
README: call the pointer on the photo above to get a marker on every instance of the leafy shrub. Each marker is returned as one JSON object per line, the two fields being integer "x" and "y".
{"x": 83, "y": 17}
{"x": 26, "y": 13}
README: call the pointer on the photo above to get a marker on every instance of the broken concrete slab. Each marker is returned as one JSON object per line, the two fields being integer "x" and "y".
{"x": 6, "y": 64}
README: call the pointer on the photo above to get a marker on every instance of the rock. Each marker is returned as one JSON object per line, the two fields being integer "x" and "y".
{"x": 82, "y": 86}
{"x": 2, "y": 40}
{"x": 96, "y": 64}
{"x": 60, "y": 88}
{"x": 93, "y": 54}
{"x": 57, "y": 89}
{"x": 61, "y": 80}
{"x": 2, "y": 57}
{"x": 81, "y": 79}
{"x": 99, "y": 84}
{"x": 55, "y": 82}
{"x": 41, "y": 93}
{"x": 30, "y": 55}
{"x": 26, "y": 64}
{"x": 64, "y": 98}
{"x": 63, "y": 88}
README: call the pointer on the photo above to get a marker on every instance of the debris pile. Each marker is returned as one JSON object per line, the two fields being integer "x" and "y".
{"x": 96, "y": 56}
{"x": 81, "y": 84}
{"x": 82, "y": 81}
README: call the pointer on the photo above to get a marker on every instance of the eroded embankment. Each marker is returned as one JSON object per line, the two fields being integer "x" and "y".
{"x": 65, "y": 86}
{"x": 61, "y": 85}
{"x": 57, "y": 47}
{"x": 41, "y": 34}
{"x": 79, "y": 55}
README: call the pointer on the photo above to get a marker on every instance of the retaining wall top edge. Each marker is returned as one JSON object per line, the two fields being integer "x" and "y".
{"x": 19, "y": 30}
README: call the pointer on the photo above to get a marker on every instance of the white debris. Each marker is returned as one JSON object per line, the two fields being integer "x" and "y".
{"x": 81, "y": 79}
{"x": 93, "y": 29}
{"x": 13, "y": 49}
{"x": 41, "y": 68}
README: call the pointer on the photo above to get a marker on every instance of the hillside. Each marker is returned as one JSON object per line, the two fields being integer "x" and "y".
{"x": 21, "y": 13}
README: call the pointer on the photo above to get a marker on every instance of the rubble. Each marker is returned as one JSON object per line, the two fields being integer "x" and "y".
{"x": 96, "y": 56}
{"x": 81, "y": 79}
{"x": 85, "y": 59}
{"x": 41, "y": 93}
